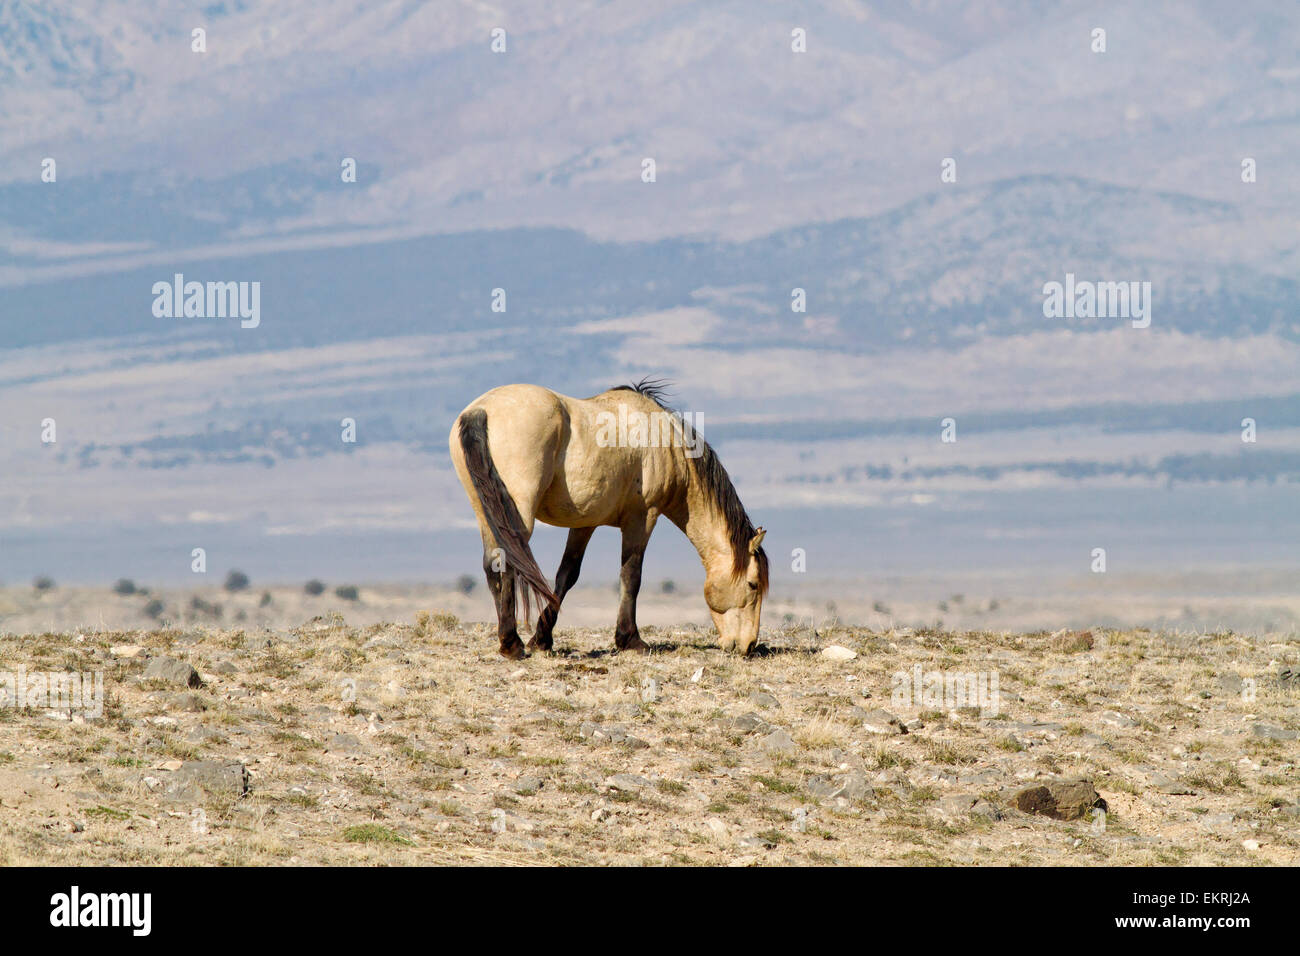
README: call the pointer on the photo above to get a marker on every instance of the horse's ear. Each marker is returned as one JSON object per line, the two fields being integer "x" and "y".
{"x": 756, "y": 542}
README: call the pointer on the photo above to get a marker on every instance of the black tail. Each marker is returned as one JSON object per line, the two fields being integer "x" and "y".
{"x": 501, "y": 513}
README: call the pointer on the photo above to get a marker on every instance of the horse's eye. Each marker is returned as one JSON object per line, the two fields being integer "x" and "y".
{"x": 753, "y": 585}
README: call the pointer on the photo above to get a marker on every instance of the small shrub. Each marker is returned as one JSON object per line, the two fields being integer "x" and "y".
{"x": 43, "y": 583}
{"x": 348, "y": 592}
{"x": 153, "y": 609}
{"x": 266, "y": 599}
{"x": 124, "y": 586}
{"x": 314, "y": 587}
{"x": 465, "y": 584}
{"x": 236, "y": 581}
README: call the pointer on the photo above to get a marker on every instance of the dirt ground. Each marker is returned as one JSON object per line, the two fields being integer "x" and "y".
{"x": 413, "y": 742}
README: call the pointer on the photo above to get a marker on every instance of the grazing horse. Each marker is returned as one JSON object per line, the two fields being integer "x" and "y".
{"x": 621, "y": 458}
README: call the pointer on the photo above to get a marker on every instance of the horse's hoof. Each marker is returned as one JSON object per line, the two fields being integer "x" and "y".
{"x": 537, "y": 646}
{"x": 513, "y": 652}
{"x": 634, "y": 646}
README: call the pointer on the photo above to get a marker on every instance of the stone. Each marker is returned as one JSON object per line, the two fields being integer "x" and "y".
{"x": 649, "y": 690}
{"x": 765, "y": 700}
{"x": 126, "y": 650}
{"x": 628, "y": 782}
{"x": 882, "y": 722}
{"x": 1268, "y": 732}
{"x": 1059, "y": 799}
{"x": 748, "y": 723}
{"x": 189, "y": 702}
{"x": 198, "y": 778}
{"x": 837, "y": 653}
{"x": 527, "y": 786}
{"x": 172, "y": 671}
{"x": 224, "y": 668}
{"x": 1230, "y": 683}
{"x": 778, "y": 741}
{"x": 344, "y": 743}
{"x": 1114, "y": 718}
{"x": 1171, "y": 785}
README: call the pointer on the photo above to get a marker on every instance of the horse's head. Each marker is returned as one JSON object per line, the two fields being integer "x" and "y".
{"x": 736, "y": 599}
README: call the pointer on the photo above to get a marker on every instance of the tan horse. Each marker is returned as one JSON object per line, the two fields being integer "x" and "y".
{"x": 527, "y": 454}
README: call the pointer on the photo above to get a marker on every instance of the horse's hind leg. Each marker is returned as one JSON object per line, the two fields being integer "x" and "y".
{"x": 565, "y": 578}
{"x": 501, "y": 583}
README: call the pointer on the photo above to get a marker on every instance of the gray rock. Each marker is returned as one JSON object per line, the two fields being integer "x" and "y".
{"x": 778, "y": 741}
{"x": 762, "y": 699}
{"x": 1229, "y": 683}
{"x": 749, "y": 723}
{"x": 199, "y": 778}
{"x": 172, "y": 671}
{"x": 1114, "y": 718}
{"x": 344, "y": 743}
{"x": 1274, "y": 733}
{"x": 224, "y": 668}
{"x": 1172, "y": 785}
{"x": 189, "y": 702}
{"x": 882, "y": 722}
{"x": 527, "y": 785}
{"x": 628, "y": 782}
{"x": 989, "y": 812}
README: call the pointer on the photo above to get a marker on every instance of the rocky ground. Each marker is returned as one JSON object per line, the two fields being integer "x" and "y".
{"x": 413, "y": 742}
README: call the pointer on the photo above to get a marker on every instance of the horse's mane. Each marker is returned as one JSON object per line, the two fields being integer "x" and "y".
{"x": 717, "y": 486}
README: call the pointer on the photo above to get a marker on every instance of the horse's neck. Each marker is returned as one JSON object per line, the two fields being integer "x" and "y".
{"x": 706, "y": 529}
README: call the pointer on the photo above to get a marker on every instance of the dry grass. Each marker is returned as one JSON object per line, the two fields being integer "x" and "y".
{"x": 414, "y": 743}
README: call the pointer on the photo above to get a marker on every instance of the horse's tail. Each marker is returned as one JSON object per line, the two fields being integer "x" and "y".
{"x": 501, "y": 512}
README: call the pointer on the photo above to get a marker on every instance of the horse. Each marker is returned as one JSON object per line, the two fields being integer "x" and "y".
{"x": 619, "y": 459}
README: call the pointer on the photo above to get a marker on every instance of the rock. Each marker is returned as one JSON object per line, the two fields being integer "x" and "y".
{"x": 344, "y": 743}
{"x": 126, "y": 650}
{"x": 882, "y": 722}
{"x": 628, "y": 782}
{"x": 761, "y": 699}
{"x": 983, "y": 810}
{"x": 197, "y": 778}
{"x": 172, "y": 671}
{"x": 699, "y": 672}
{"x": 1230, "y": 683}
{"x": 649, "y": 690}
{"x": 837, "y": 653}
{"x": 527, "y": 786}
{"x": 1171, "y": 785}
{"x": 823, "y": 787}
{"x": 1250, "y": 844}
{"x": 1059, "y": 799}
{"x": 778, "y": 741}
{"x": 716, "y": 827}
{"x": 758, "y": 842}
{"x": 189, "y": 702}
{"x": 1274, "y": 733}
{"x": 1216, "y": 819}
{"x": 748, "y": 723}
{"x": 1113, "y": 718}
{"x": 224, "y": 668}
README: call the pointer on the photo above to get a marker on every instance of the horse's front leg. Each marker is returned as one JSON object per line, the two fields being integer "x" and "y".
{"x": 636, "y": 534}
{"x": 565, "y": 578}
